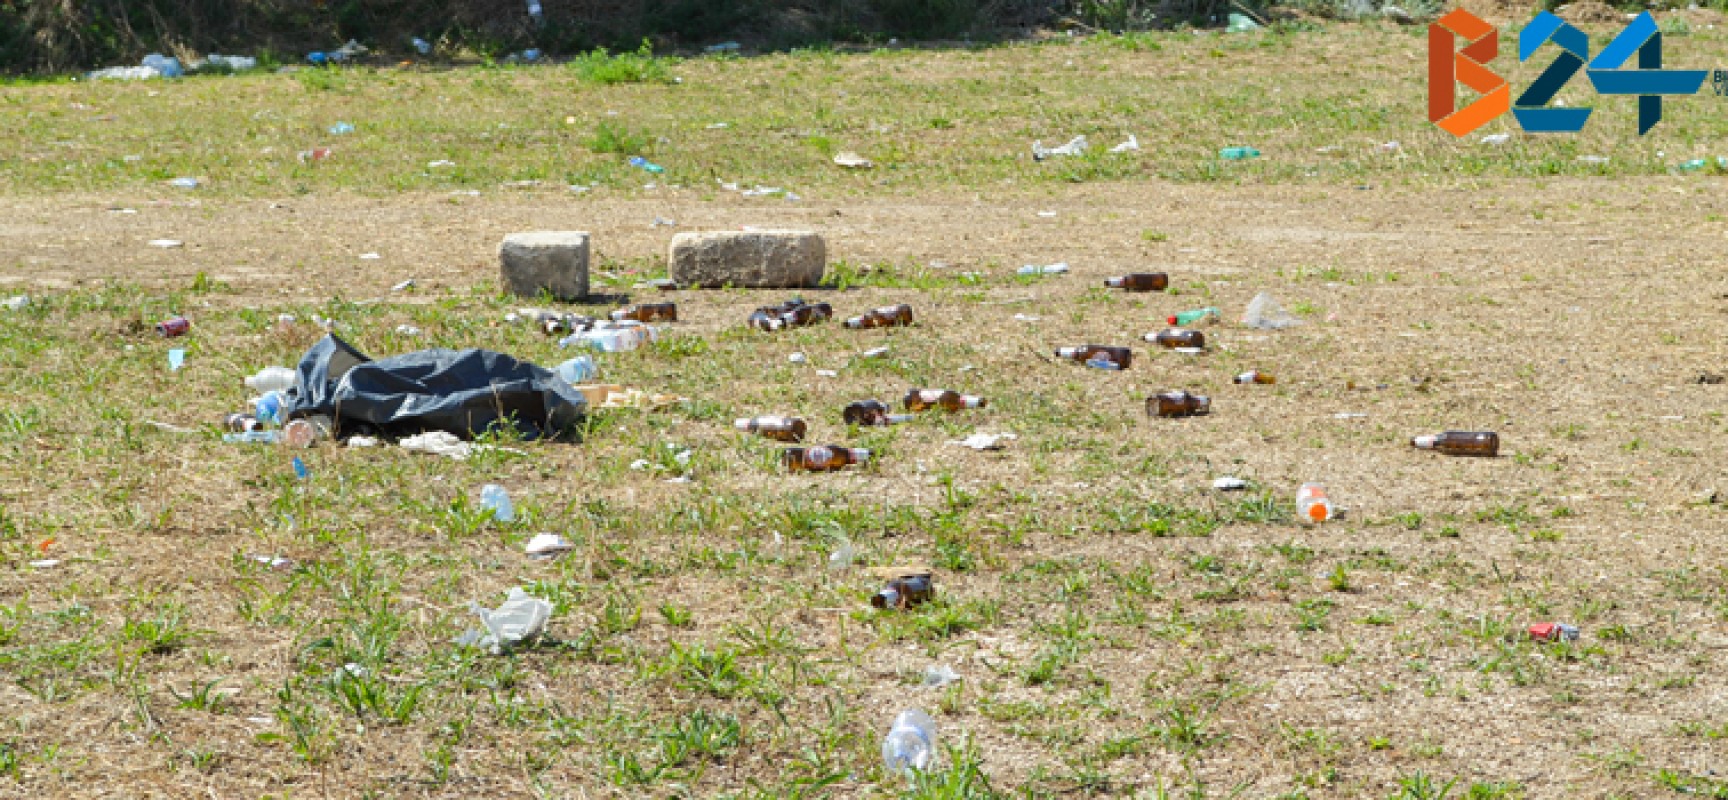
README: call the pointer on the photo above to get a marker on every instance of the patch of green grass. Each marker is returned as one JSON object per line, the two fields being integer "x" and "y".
{"x": 641, "y": 66}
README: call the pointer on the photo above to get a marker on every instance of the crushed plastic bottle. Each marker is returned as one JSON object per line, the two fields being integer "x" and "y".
{"x": 644, "y": 164}
{"x": 613, "y": 338}
{"x": 1497, "y": 138}
{"x": 1130, "y": 146}
{"x": 1057, "y": 268}
{"x": 842, "y": 556}
{"x": 494, "y": 498}
{"x": 272, "y": 379}
{"x": 1312, "y": 505}
{"x": 184, "y": 183}
{"x": 1696, "y": 164}
{"x": 1266, "y": 314}
{"x": 580, "y": 369}
{"x": 176, "y": 359}
{"x": 268, "y": 408}
{"x": 1075, "y": 146}
{"x": 547, "y": 546}
{"x": 911, "y": 742}
{"x": 519, "y": 620}
{"x": 1238, "y": 153}
{"x": 253, "y": 437}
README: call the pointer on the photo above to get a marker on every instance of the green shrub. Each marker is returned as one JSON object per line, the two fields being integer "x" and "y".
{"x": 638, "y": 67}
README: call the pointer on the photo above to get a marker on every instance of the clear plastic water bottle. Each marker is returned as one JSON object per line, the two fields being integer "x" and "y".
{"x": 252, "y": 437}
{"x": 494, "y": 498}
{"x": 1238, "y": 153}
{"x": 272, "y": 379}
{"x": 911, "y": 742}
{"x": 1312, "y": 505}
{"x": 580, "y": 369}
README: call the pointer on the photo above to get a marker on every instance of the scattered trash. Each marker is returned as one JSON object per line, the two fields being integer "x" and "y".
{"x": 313, "y": 155}
{"x": 905, "y": 591}
{"x": 374, "y": 257}
{"x": 1026, "y": 318}
{"x": 442, "y": 162}
{"x": 874, "y": 352}
{"x": 1554, "y": 632}
{"x": 647, "y": 312}
{"x": 1239, "y": 23}
{"x": 166, "y": 244}
{"x": 1700, "y": 163}
{"x": 439, "y": 443}
{"x": 1130, "y": 146}
{"x": 359, "y": 442}
{"x": 780, "y": 429}
{"x": 1312, "y": 505}
{"x": 173, "y": 326}
{"x": 663, "y": 222}
{"x": 822, "y": 458}
{"x": 407, "y": 330}
{"x": 16, "y": 302}
{"x": 1349, "y": 415}
{"x": 797, "y": 358}
{"x": 495, "y": 499}
{"x": 1176, "y": 338}
{"x": 272, "y": 379}
{"x": 166, "y": 66}
{"x": 612, "y": 337}
{"x": 547, "y": 546}
{"x": 519, "y": 620}
{"x": 793, "y": 313}
{"x": 1229, "y": 483}
{"x": 1140, "y": 282}
{"x": 938, "y": 676}
{"x": 883, "y": 317}
{"x": 1497, "y": 138}
{"x": 851, "y": 160}
{"x": 1178, "y": 404}
{"x": 300, "y": 470}
{"x": 421, "y": 46}
{"x": 306, "y": 432}
{"x": 644, "y": 164}
{"x": 253, "y": 437}
{"x": 45, "y": 563}
{"x": 872, "y": 413}
{"x": 1266, "y": 314}
{"x": 1098, "y": 356}
{"x": 1186, "y": 318}
{"x": 1254, "y": 376}
{"x": 1074, "y": 147}
{"x": 1461, "y": 443}
{"x": 1238, "y": 153}
{"x": 723, "y": 47}
{"x": 715, "y": 126}
{"x": 1397, "y": 14}
{"x": 278, "y": 563}
{"x": 176, "y": 359}
{"x": 911, "y": 742}
{"x": 124, "y": 74}
{"x": 580, "y": 369}
{"x": 618, "y": 397}
{"x": 947, "y": 400}
{"x": 1390, "y": 147}
{"x": 1595, "y": 161}
{"x": 341, "y": 128}
{"x": 986, "y": 441}
{"x": 184, "y": 183}
{"x": 1057, "y": 268}
{"x": 1046, "y": 215}
{"x": 1707, "y": 379}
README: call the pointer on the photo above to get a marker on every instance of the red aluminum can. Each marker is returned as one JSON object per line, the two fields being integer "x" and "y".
{"x": 173, "y": 326}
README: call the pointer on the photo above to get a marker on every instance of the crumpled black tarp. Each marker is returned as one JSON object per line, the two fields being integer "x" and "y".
{"x": 464, "y": 392}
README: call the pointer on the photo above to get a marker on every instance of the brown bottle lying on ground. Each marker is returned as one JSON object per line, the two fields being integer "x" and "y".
{"x": 780, "y": 429}
{"x": 906, "y": 591}
{"x": 647, "y": 312}
{"x": 1140, "y": 282}
{"x": 1461, "y": 443}
{"x": 884, "y": 317}
{"x": 773, "y": 318}
{"x": 1255, "y": 376}
{"x": 822, "y": 458}
{"x": 241, "y": 423}
{"x": 926, "y": 399}
{"x": 871, "y": 412}
{"x": 1177, "y": 337}
{"x": 1177, "y": 404}
{"x": 1120, "y": 356}
{"x": 808, "y": 314}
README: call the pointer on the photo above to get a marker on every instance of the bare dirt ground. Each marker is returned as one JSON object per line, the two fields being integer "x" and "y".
{"x": 1574, "y": 317}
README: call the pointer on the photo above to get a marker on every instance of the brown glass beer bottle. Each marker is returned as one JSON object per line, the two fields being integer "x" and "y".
{"x": 1120, "y": 357}
{"x": 822, "y": 458}
{"x": 1461, "y": 443}
{"x": 926, "y": 399}
{"x": 780, "y": 429}
{"x": 1140, "y": 282}
{"x": 1177, "y": 404}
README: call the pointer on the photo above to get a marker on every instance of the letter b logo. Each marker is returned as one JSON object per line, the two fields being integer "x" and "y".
{"x": 1448, "y": 68}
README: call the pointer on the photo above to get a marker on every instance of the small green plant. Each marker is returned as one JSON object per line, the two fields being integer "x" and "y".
{"x": 619, "y": 139}
{"x": 605, "y": 68}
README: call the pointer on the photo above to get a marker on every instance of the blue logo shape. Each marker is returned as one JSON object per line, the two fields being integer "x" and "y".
{"x": 1530, "y": 107}
{"x": 1649, "y": 81}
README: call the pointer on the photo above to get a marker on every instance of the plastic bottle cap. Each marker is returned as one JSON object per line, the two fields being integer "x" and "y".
{"x": 1425, "y": 442}
{"x": 1170, "y": 319}
{"x": 1318, "y": 512}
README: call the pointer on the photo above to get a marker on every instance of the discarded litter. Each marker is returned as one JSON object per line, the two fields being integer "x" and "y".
{"x": 1175, "y": 338}
{"x": 166, "y": 66}
{"x": 1229, "y": 483}
{"x": 314, "y": 155}
{"x": 647, "y": 312}
{"x": 1178, "y": 404}
{"x": 45, "y": 563}
{"x": 16, "y": 302}
{"x": 341, "y": 128}
{"x": 911, "y": 742}
{"x": 1099, "y": 356}
{"x": 176, "y": 359}
{"x": 883, "y": 317}
{"x": 519, "y": 620}
{"x": 184, "y": 183}
{"x": 1461, "y": 443}
{"x": 611, "y": 337}
{"x": 938, "y": 676}
{"x": 1046, "y": 215}
{"x": 1238, "y": 153}
{"x": 421, "y": 46}
{"x": 1497, "y": 138}
{"x": 1254, "y": 376}
{"x": 644, "y": 164}
{"x": 300, "y": 470}
{"x": 1700, "y": 163}
{"x": 851, "y": 160}
{"x": 797, "y": 358}
{"x": 547, "y": 546}
{"x": 1312, "y": 505}
{"x": 166, "y": 244}
{"x": 277, "y": 563}
{"x": 407, "y": 330}
{"x": 124, "y": 74}
{"x": 304, "y": 433}
{"x": 253, "y": 437}
{"x": 1075, "y": 146}
{"x": 1390, "y": 147}
{"x": 986, "y": 441}
{"x": 272, "y": 379}
{"x": 1554, "y": 632}
{"x": 791, "y": 314}
{"x": 1047, "y": 269}
{"x": 580, "y": 369}
{"x": 173, "y": 326}
{"x": 1239, "y": 23}
{"x": 874, "y": 352}
{"x": 442, "y": 162}
{"x": 1595, "y": 161}
{"x": 871, "y": 413}
{"x": 723, "y": 47}
{"x": 1130, "y": 146}
{"x": 905, "y": 591}
{"x": 1266, "y": 314}
{"x": 1139, "y": 282}
{"x": 1026, "y": 318}
{"x": 1185, "y": 318}
{"x": 780, "y": 429}
{"x": 947, "y": 400}
{"x": 495, "y": 499}
{"x": 358, "y": 442}
{"x": 822, "y": 458}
